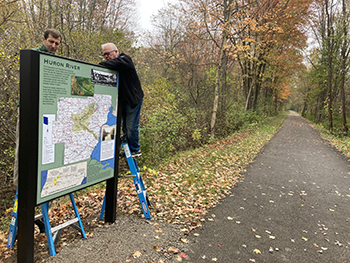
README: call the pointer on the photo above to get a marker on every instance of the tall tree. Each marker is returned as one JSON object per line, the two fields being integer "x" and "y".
{"x": 330, "y": 48}
{"x": 215, "y": 19}
{"x": 344, "y": 59}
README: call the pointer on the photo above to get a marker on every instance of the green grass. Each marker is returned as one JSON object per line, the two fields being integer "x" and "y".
{"x": 342, "y": 143}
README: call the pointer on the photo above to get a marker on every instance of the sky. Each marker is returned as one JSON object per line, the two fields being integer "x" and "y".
{"x": 148, "y": 8}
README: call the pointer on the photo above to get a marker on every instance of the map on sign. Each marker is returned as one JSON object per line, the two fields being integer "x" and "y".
{"x": 78, "y": 125}
{"x": 78, "y": 119}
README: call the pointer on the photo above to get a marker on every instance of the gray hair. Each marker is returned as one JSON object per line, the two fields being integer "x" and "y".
{"x": 111, "y": 45}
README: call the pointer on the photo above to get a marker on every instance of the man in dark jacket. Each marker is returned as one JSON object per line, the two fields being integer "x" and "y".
{"x": 131, "y": 94}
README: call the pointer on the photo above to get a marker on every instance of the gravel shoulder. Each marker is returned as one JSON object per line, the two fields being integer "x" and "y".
{"x": 129, "y": 239}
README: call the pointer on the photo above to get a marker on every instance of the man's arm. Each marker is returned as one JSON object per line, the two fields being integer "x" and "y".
{"x": 122, "y": 62}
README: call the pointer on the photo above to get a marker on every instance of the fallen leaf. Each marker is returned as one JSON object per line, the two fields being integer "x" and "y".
{"x": 137, "y": 254}
{"x": 338, "y": 243}
{"x": 257, "y": 236}
{"x": 182, "y": 254}
{"x": 179, "y": 258}
{"x": 174, "y": 250}
{"x": 184, "y": 240}
{"x": 304, "y": 238}
{"x": 159, "y": 230}
{"x": 158, "y": 249}
{"x": 229, "y": 218}
{"x": 257, "y": 251}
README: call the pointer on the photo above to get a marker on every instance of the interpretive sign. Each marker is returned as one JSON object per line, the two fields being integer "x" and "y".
{"x": 77, "y": 127}
{"x": 69, "y": 129}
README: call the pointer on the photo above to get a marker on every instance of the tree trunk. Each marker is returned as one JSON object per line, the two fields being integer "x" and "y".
{"x": 344, "y": 58}
{"x": 216, "y": 102}
{"x": 227, "y": 11}
{"x": 330, "y": 61}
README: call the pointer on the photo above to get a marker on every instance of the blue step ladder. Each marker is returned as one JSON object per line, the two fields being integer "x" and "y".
{"x": 138, "y": 182}
{"x": 43, "y": 223}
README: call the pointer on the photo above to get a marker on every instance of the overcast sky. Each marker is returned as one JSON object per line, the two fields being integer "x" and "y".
{"x": 148, "y": 8}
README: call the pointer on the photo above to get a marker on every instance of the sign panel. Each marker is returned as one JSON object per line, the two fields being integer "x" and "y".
{"x": 77, "y": 126}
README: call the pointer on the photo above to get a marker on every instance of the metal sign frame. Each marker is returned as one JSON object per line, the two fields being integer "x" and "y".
{"x": 29, "y": 152}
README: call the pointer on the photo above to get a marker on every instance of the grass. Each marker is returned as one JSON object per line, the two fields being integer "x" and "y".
{"x": 342, "y": 143}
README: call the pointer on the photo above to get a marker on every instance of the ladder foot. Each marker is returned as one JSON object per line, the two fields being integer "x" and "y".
{"x": 41, "y": 225}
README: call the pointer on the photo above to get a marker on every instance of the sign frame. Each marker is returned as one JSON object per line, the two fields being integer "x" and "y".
{"x": 30, "y": 154}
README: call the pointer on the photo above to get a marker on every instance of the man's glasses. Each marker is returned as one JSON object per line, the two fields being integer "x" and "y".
{"x": 107, "y": 53}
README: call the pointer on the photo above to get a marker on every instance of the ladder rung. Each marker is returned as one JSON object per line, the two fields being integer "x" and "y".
{"x": 38, "y": 217}
{"x": 70, "y": 222}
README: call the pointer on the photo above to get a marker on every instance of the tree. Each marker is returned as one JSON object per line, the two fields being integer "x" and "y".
{"x": 344, "y": 59}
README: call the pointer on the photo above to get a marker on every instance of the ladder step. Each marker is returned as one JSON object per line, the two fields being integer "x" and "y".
{"x": 37, "y": 217}
{"x": 70, "y": 222}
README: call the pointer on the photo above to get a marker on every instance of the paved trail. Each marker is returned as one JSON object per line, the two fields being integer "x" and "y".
{"x": 292, "y": 206}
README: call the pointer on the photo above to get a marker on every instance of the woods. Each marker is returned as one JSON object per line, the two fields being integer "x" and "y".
{"x": 327, "y": 93}
{"x": 208, "y": 68}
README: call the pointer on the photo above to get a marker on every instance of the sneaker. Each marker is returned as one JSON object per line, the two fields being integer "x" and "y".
{"x": 136, "y": 154}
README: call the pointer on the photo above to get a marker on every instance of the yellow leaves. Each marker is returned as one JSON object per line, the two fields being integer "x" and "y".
{"x": 184, "y": 240}
{"x": 257, "y": 251}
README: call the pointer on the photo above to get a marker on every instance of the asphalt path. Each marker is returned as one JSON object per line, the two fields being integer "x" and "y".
{"x": 293, "y": 205}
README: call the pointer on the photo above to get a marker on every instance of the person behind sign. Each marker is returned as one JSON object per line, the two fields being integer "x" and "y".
{"x": 51, "y": 42}
{"x": 131, "y": 93}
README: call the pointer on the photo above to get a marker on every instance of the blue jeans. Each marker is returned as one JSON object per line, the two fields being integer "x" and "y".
{"x": 130, "y": 126}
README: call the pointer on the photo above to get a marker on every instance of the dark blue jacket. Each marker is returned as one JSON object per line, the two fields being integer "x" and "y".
{"x": 129, "y": 83}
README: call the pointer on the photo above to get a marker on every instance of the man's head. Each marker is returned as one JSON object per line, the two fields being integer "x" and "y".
{"x": 109, "y": 51}
{"x": 52, "y": 40}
